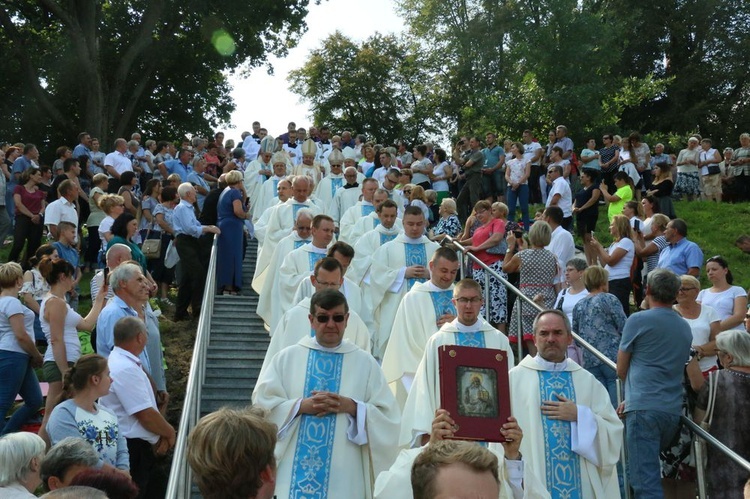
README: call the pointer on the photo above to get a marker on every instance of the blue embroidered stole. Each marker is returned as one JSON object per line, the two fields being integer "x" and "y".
{"x": 367, "y": 209}
{"x": 441, "y": 302}
{"x": 314, "y": 257}
{"x": 415, "y": 255}
{"x": 375, "y": 222}
{"x": 276, "y": 187}
{"x": 563, "y": 466}
{"x": 313, "y": 456}
{"x": 475, "y": 339}
{"x": 386, "y": 238}
{"x": 295, "y": 208}
{"x": 335, "y": 185}
{"x": 298, "y": 244}
{"x": 312, "y": 332}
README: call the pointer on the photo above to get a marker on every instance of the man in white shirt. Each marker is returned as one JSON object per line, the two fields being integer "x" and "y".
{"x": 560, "y": 194}
{"x": 132, "y": 399}
{"x": 116, "y": 163}
{"x": 561, "y": 244}
{"x": 533, "y": 152}
{"x": 63, "y": 209}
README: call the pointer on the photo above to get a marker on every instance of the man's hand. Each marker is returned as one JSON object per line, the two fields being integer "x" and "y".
{"x": 417, "y": 272}
{"x": 162, "y": 400}
{"x": 161, "y": 447}
{"x": 324, "y": 403}
{"x": 564, "y": 409}
{"x": 621, "y": 410}
{"x": 513, "y": 436}
{"x": 444, "y": 319}
{"x": 443, "y": 426}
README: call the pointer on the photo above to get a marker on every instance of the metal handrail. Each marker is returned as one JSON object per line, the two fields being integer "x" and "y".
{"x": 180, "y": 474}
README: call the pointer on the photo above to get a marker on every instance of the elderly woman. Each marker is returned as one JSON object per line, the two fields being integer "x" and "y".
{"x": 704, "y": 322}
{"x": 163, "y": 211}
{"x": 232, "y": 215}
{"x": 730, "y": 302}
{"x": 448, "y": 225}
{"x": 538, "y": 268}
{"x": 488, "y": 245}
{"x": 688, "y": 177}
{"x": 618, "y": 259}
{"x": 21, "y": 456}
{"x": 599, "y": 319}
{"x": 732, "y": 404}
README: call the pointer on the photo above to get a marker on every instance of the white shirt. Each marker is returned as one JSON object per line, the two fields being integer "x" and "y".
{"x": 722, "y": 302}
{"x": 529, "y": 151}
{"x": 621, "y": 269}
{"x": 561, "y": 186}
{"x": 119, "y": 161}
{"x": 129, "y": 394}
{"x": 60, "y": 210}
{"x": 563, "y": 247}
{"x": 10, "y": 306}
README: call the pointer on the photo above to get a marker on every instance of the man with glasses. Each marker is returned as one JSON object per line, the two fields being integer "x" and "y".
{"x": 681, "y": 256}
{"x": 328, "y": 274}
{"x": 333, "y": 389}
{"x": 467, "y": 329}
{"x": 560, "y": 195}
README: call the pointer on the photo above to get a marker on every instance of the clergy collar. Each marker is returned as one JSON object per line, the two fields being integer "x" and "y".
{"x": 411, "y": 240}
{"x": 366, "y": 203}
{"x": 435, "y": 289}
{"x": 327, "y": 349}
{"x": 551, "y": 366}
{"x": 351, "y": 186}
{"x": 467, "y": 329}
{"x": 315, "y": 249}
{"x": 292, "y": 145}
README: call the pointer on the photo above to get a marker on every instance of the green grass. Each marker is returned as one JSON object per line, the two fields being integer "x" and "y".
{"x": 714, "y": 227}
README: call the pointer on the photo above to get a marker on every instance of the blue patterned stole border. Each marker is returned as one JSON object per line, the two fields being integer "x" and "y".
{"x": 416, "y": 254}
{"x": 312, "y": 332}
{"x": 335, "y": 185}
{"x": 367, "y": 209}
{"x": 314, "y": 257}
{"x": 563, "y": 466}
{"x": 299, "y": 244}
{"x": 441, "y": 302}
{"x": 475, "y": 339}
{"x": 376, "y": 222}
{"x": 313, "y": 455}
{"x": 386, "y": 238}
{"x": 295, "y": 208}
{"x": 276, "y": 187}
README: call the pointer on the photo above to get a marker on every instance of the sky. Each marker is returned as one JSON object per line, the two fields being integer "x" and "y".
{"x": 267, "y": 98}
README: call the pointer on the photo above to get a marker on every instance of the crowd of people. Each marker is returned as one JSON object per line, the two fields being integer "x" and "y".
{"x": 364, "y": 242}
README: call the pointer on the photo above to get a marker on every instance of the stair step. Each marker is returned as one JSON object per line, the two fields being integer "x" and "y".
{"x": 214, "y": 372}
{"x": 234, "y": 356}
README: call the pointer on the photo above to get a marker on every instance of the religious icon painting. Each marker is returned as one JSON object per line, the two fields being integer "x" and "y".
{"x": 474, "y": 389}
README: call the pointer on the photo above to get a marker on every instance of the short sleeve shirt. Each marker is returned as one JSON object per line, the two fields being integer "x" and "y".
{"x": 10, "y": 306}
{"x": 723, "y": 302}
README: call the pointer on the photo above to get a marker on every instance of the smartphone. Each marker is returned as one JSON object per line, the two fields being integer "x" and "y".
{"x": 106, "y": 273}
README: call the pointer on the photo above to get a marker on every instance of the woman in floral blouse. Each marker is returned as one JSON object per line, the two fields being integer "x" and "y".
{"x": 448, "y": 225}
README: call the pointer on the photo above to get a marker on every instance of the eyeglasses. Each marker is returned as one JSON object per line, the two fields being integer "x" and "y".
{"x": 685, "y": 290}
{"x": 323, "y": 319}
{"x": 464, "y": 301}
{"x": 407, "y": 192}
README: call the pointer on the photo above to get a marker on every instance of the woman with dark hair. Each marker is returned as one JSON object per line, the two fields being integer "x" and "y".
{"x": 124, "y": 229}
{"x": 421, "y": 167}
{"x": 35, "y": 287}
{"x": 148, "y": 202}
{"x": 586, "y": 211}
{"x": 29, "y": 201}
{"x": 79, "y": 415}
{"x": 441, "y": 173}
{"x": 163, "y": 226}
{"x": 517, "y": 173}
{"x": 18, "y": 354}
{"x": 662, "y": 187}
{"x": 61, "y": 324}
{"x": 730, "y": 302}
{"x": 114, "y": 485}
{"x": 624, "y": 193}
{"x": 609, "y": 158}
{"x": 128, "y": 181}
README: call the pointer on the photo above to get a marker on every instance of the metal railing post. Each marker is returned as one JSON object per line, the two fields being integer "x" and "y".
{"x": 486, "y": 296}
{"x": 519, "y": 338}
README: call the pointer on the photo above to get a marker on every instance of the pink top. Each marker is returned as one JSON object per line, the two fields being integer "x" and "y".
{"x": 483, "y": 233}
{"x": 31, "y": 200}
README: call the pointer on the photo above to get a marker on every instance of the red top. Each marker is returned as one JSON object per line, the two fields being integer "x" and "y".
{"x": 31, "y": 200}
{"x": 481, "y": 235}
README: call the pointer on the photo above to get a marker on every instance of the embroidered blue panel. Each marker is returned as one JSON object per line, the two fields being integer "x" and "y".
{"x": 475, "y": 339}
{"x": 312, "y": 458}
{"x": 415, "y": 255}
{"x": 295, "y": 208}
{"x": 563, "y": 467}
{"x": 441, "y": 301}
{"x": 297, "y": 244}
{"x": 367, "y": 209}
{"x": 314, "y": 257}
{"x": 275, "y": 187}
{"x": 375, "y": 223}
{"x": 386, "y": 238}
{"x": 335, "y": 185}
{"x": 312, "y": 332}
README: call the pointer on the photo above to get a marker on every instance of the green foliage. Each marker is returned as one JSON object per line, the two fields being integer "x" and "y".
{"x": 157, "y": 66}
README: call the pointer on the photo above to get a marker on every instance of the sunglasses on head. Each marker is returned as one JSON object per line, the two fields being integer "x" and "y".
{"x": 323, "y": 319}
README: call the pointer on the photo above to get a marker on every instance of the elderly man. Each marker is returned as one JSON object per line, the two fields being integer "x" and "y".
{"x": 423, "y": 311}
{"x": 361, "y": 209}
{"x": 133, "y": 401}
{"x": 333, "y": 389}
{"x": 267, "y": 194}
{"x": 309, "y": 166}
{"x": 348, "y": 195}
{"x": 680, "y": 256}
{"x": 116, "y": 163}
{"x": 386, "y": 230}
{"x": 651, "y": 360}
{"x": 295, "y": 267}
{"x": 467, "y": 329}
{"x": 282, "y": 218}
{"x": 328, "y": 274}
{"x": 326, "y": 189}
{"x": 188, "y": 231}
{"x": 180, "y": 166}
{"x": 396, "y": 267}
{"x": 283, "y": 193}
{"x": 65, "y": 460}
{"x": 572, "y": 435}
{"x": 247, "y": 467}
{"x": 259, "y": 170}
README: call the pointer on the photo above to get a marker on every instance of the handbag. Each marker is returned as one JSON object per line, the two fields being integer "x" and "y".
{"x": 151, "y": 248}
{"x": 713, "y": 169}
{"x": 498, "y": 249}
{"x": 171, "y": 257}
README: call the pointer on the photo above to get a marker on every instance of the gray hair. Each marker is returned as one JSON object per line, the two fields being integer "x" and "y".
{"x": 663, "y": 285}
{"x": 304, "y": 212}
{"x": 552, "y": 311}
{"x": 127, "y": 328}
{"x": 577, "y": 263}
{"x": 736, "y": 343}
{"x": 16, "y": 452}
{"x": 123, "y": 273}
{"x": 70, "y": 451}
{"x": 77, "y": 492}
{"x": 133, "y": 143}
{"x": 184, "y": 189}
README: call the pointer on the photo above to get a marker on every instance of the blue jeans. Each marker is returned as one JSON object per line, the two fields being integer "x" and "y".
{"x": 648, "y": 433}
{"x": 17, "y": 377}
{"x": 608, "y": 378}
{"x": 520, "y": 196}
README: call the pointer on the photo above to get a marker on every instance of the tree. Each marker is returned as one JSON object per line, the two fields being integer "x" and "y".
{"x": 157, "y": 66}
{"x": 374, "y": 87}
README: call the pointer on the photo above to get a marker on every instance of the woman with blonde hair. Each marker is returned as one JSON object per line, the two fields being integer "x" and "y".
{"x": 618, "y": 259}
{"x": 232, "y": 214}
{"x": 113, "y": 206}
{"x": 448, "y": 225}
{"x": 417, "y": 197}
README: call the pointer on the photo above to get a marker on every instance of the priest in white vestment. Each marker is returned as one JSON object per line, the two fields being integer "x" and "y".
{"x": 283, "y": 217}
{"x": 293, "y": 149}
{"x": 361, "y": 209}
{"x": 326, "y": 189}
{"x": 268, "y": 192}
{"x": 283, "y": 192}
{"x": 467, "y": 329}
{"x": 366, "y": 224}
{"x": 309, "y": 167}
{"x": 348, "y": 195}
{"x": 337, "y": 419}
{"x": 385, "y": 231}
{"x": 270, "y": 261}
{"x": 259, "y": 170}
{"x": 251, "y": 146}
{"x": 277, "y": 295}
{"x": 396, "y": 267}
{"x": 292, "y": 327}
{"x": 572, "y": 434}
{"x": 422, "y": 312}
